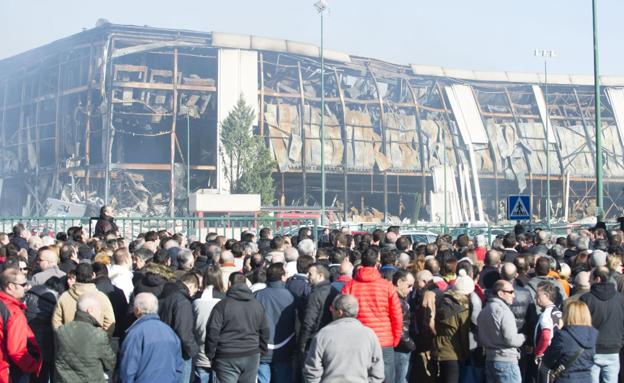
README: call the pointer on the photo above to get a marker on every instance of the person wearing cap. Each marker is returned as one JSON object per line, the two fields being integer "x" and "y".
{"x": 452, "y": 326}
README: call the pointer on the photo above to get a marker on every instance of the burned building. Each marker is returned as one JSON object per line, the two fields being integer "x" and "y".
{"x": 131, "y": 115}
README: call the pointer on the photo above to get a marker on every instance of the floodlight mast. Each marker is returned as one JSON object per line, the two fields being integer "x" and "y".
{"x": 546, "y": 54}
{"x": 321, "y": 7}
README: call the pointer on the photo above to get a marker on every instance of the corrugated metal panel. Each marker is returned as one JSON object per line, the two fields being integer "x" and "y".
{"x": 231, "y": 40}
{"x": 333, "y": 138}
{"x": 467, "y": 114}
{"x": 541, "y": 105}
{"x": 616, "y": 99}
{"x": 359, "y": 140}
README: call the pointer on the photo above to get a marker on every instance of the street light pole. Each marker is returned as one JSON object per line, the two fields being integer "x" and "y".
{"x": 598, "y": 122}
{"x": 546, "y": 54}
{"x": 321, "y": 6}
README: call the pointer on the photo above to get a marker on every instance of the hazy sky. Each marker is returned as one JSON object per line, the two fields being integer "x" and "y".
{"x": 476, "y": 34}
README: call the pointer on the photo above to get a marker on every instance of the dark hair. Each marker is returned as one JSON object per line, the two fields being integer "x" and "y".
{"x": 275, "y": 272}
{"x": 151, "y": 236}
{"x": 258, "y": 275}
{"x": 265, "y": 232}
{"x": 237, "y": 249}
{"x": 321, "y": 269}
{"x": 237, "y": 278}
{"x": 190, "y": 278}
{"x": 303, "y": 263}
{"x": 337, "y": 256}
{"x": 212, "y": 277}
{"x": 549, "y": 289}
{"x": 388, "y": 256}
{"x": 161, "y": 257}
{"x": 99, "y": 269}
{"x": 602, "y": 273}
{"x": 369, "y": 258}
{"x": 277, "y": 242}
{"x": 463, "y": 240}
{"x": 378, "y": 235}
{"x": 542, "y": 266}
{"x": 84, "y": 273}
{"x": 56, "y": 284}
{"x": 402, "y": 243}
{"x": 509, "y": 240}
{"x": 399, "y": 275}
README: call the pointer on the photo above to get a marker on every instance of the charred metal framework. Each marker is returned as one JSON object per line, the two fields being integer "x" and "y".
{"x": 108, "y": 114}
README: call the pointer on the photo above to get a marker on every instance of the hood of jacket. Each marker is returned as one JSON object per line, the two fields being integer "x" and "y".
{"x": 367, "y": 274}
{"x": 155, "y": 273}
{"x": 82, "y": 316}
{"x": 44, "y": 292}
{"x": 80, "y": 288}
{"x": 603, "y": 291}
{"x": 585, "y": 335}
{"x": 119, "y": 271}
{"x": 240, "y": 292}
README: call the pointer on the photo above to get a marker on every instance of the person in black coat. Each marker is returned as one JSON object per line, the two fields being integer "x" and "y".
{"x": 155, "y": 276}
{"x": 115, "y": 295}
{"x": 574, "y": 346}
{"x": 40, "y": 302}
{"x": 105, "y": 223}
{"x": 176, "y": 310}
{"x": 317, "y": 314}
{"x": 236, "y": 337}
{"x": 606, "y": 306}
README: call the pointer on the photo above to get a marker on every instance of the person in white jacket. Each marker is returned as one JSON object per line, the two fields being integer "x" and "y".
{"x": 120, "y": 272}
{"x": 213, "y": 292}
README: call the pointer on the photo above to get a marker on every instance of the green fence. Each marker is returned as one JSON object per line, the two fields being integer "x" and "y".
{"x": 195, "y": 227}
{"x": 232, "y": 227}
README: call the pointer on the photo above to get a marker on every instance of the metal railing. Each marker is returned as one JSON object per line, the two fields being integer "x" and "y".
{"x": 195, "y": 227}
{"x": 233, "y": 226}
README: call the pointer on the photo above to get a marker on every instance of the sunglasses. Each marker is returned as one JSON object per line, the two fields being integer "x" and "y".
{"x": 21, "y": 284}
{"x": 24, "y": 269}
{"x": 509, "y": 291}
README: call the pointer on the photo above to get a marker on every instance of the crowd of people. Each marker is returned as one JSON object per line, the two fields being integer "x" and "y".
{"x": 366, "y": 307}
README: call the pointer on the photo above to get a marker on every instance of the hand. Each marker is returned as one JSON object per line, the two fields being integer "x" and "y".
{"x": 538, "y": 359}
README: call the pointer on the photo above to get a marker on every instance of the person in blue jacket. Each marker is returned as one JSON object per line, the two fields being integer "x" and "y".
{"x": 151, "y": 351}
{"x": 574, "y": 346}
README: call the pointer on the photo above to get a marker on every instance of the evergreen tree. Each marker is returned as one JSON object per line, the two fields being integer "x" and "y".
{"x": 248, "y": 164}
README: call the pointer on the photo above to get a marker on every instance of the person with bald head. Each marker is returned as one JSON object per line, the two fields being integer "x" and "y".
{"x": 47, "y": 261}
{"x": 523, "y": 306}
{"x": 498, "y": 334}
{"x": 80, "y": 360}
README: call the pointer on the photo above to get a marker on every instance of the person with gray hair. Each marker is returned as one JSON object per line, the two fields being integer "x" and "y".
{"x": 344, "y": 350}
{"x": 186, "y": 261}
{"x": 307, "y": 247}
{"x": 78, "y": 360}
{"x": 291, "y": 255}
{"x": 151, "y": 351}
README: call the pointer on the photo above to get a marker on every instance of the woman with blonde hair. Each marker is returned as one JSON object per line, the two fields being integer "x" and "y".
{"x": 570, "y": 355}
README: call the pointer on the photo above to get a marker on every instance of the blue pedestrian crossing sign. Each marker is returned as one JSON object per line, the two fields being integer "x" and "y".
{"x": 519, "y": 207}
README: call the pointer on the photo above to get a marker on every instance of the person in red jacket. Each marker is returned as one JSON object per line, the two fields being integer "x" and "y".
{"x": 380, "y": 308}
{"x": 19, "y": 348}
